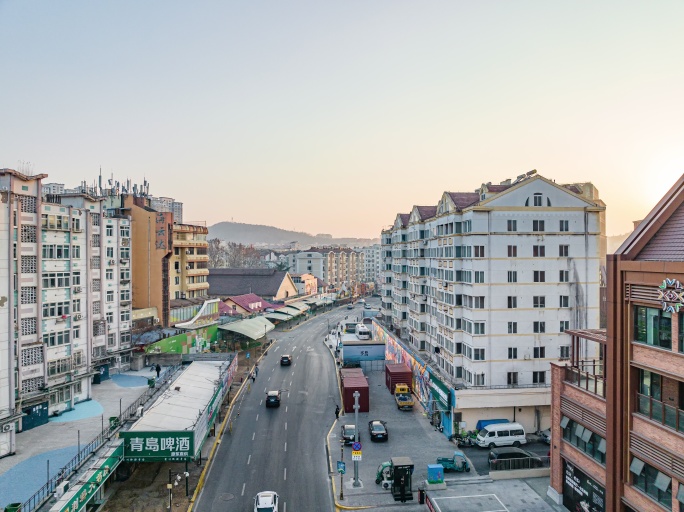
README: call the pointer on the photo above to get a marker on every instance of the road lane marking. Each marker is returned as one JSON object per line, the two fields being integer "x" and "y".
{"x": 284, "y": 473}
{"x": 243, "y": 490}
{"x": 286, "y": 408}
{"x": 286, "y": 421}
{"x": 249, "y": 459}
{"x": 286, "y": 446}
{"x": 290, "y": 383}
{"x": 261, "y": 401}
{"x": 257, "y": 419}
{"x": 254, "y": 433}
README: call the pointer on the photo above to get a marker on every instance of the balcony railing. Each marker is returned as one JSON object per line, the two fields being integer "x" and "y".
{"x": 660, "y": 412}
{"x": 525, "y": 463}
{"x": 588, "y": 376}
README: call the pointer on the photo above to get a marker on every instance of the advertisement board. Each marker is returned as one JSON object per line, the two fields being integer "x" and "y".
{"x": 581, "y": 492}
{"x": 163, "y": 446}
{"x": 356, "y": 353}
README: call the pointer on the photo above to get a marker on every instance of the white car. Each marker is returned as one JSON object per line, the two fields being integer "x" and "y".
{"x": 266, "y": 501}
{"x": 546, "y": 436}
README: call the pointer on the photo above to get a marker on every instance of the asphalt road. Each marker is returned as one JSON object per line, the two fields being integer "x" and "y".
{"x": 281, "y": 449}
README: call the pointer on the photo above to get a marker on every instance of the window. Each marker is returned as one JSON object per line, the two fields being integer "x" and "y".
{"x": 652, "y": 482}
{"x": 512, "y": 225}
{"x": 537, "y": 225}
{"x": 76, "y": 252}
{"x": 125, "y": 231}
{"x": 110, "y": 296}
{"x": 96, "y": 285}
{"x": 125, "y": 295}
{"x": 111, "y": 339}
{"x": 109, "y": 274}
{"x": 512, "y": 276}
{"x": 539, "y": 276}
{"x": 125, "y": 315}
{"x": 564, "y": 225}
{"x": 512, "y": 378}
{"x": 109, "y": 252}
{"x": 28, "y": 234}
{"x": 564, "y": 325}
{"x": 76, "y": 224}
{"x": 539, "y": 352}
{"x": 56, "y": 279}
{"x": 512, "y": 327}
{"x": 77, "y": 332}
{"x": 564, "y": 276}
{"x": 538, "y": 377}
{"x": 537, "y": 199}
{"x": 479, "y": 328}
{"x": 512, "y": 251}
{"x": 539, "y": 301}
{"x": 479, "y": 354}
{"x": 564, "y": 301}
{"x": 28, "y": 294}
{"x": 479, "y": 276}
{"x": 564, "y": 351}
{"x": 538, "y": 251}
{"x": 56, "y": 309}
{"x": 563, "y": 251}
{"x": 584, "y": 439}
{"x": 76, "y": 305}
{"x": 76, "y": 278}
{"x": 95, "y": 241}
{"x": 125, "y": 253}
{"x": 96, "y": 307}
{"x": 653, "y": 327}
{"x": 512, "y": 302}
{"x": 479, "y": 251}
{"x": 95, "y": 219}
{"x": 478, "y": 302}
{"x": 109, "y": 230}
{"x": 95, "y": 262}
{"x": 512, "y": 352}
{"x": 125, "y": 274}
{"x": 28, "y": 204}
{"x": 539, "y": 327}
{"x": 177, "y": 280}
{"x": 55, "y": 339}
{"x": 110, "y": 317}
{"x": 479, "y": 379}
{"x": 29, "y": 264}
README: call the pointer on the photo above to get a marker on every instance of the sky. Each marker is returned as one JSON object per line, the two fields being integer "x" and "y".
{"x": 332, "y": 117}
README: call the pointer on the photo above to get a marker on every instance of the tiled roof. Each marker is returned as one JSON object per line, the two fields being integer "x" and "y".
{"x": 245, "y": 300}
{"x": 668, "y": 243}
{"x": 240, "y": 281}
{"x": 497, "y": 188}
{"x": 404, "y": 217}
{"x": 426, "y": 212}
{"x": 464, "y": 199}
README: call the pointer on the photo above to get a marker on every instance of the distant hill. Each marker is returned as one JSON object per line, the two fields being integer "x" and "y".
{"x": 260, "y": 236}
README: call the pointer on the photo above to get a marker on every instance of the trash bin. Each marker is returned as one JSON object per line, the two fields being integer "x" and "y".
{"x": 151, "y": 382}
{"x": 113, "y": 422}
{"x": 421, "y": 496}
{"x": 13, "y": 507}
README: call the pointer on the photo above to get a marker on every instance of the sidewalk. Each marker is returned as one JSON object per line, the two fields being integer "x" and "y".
{"x": 56, "y": 443}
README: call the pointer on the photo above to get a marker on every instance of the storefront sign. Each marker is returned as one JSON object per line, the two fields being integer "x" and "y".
{"x": 671, "y": 295}
{"x": 440, "y": 392}
{"x": 158, "y": 446}
{"x": 581, "y": 492}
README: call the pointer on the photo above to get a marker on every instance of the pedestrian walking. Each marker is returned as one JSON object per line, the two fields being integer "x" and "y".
{"x": 253, "y": 377}
{"x": 158, "y": 369}
{"x": 337, "y": 412}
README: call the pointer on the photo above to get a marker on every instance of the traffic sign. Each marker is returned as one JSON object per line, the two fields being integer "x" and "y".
{"x": 356, "y": 455}
{"x": 356, "y": 446}
{"x": 341, "y": 468}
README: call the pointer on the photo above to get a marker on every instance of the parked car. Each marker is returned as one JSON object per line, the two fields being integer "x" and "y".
{"x": 513, "y": 458}
{"x": 546, "y": 435}
{"x": 285, "y": 360}
{"x": 367, "y": 306}
{"x": 350, "y": 306}
{"x": 348, "y": 433}
{"x": 266, "y": 501}
{"x": 378, "y": 430}
{"x": 273, "y": 399}
{"x": 501, "y": 434}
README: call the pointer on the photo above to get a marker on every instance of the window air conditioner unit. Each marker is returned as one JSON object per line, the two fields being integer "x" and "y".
{"x": 187, "y": 267}
{"x": 123, "y": 261}
{"x": 156, "y": 320}
{"x": 77, "y": 289}
{"x": 527, "y": 356}
{"x": 445, "y": 284}
{"x": 61, "y": 489}
{"x": 112, "y": 262}
{"x": 78, "y": 316}
{"x": 177, "y": 271}
{"x": 8, "y": 427}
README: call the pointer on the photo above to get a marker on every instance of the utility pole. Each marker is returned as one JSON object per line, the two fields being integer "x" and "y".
{"x": 341, "y": 474}
{"x": 356, "y": 396}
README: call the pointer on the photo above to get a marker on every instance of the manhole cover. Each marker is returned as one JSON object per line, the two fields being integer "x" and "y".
{"x": 227, "y": 497}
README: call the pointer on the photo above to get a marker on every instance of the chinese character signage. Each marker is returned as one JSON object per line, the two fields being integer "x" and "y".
{"x": 158, "y": 446}
{"x": 581, "y": 492}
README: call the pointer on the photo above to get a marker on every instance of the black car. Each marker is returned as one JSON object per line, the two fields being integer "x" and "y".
{"x": 285, "y": 360}
{"x": 348, "y": 433}
{"x": 273, "y": 399}
{"x": 378, "y": 430}
{"x": 513, "y": 458}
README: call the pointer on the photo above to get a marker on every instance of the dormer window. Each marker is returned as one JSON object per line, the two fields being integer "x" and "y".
{"x": 483, "y": 196}
{"x": 537, "y": 199}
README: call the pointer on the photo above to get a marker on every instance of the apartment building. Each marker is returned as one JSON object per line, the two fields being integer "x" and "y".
{"x": 628, "y": 449}
{"x": 168, "y": 204}
{"x": 484, "y": 283}
{"x": 372, "y": 264}
{"x": 340, "y": 268}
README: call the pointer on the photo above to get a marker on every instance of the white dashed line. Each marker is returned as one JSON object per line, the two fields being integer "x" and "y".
{"x": 257, "y": 418}
{"x": 243, "y": 490}
{"x": 253, "y": 434}
{"x": 285, "y": 446}
{"x": 286, "y": 421}
{"x": 284, "y": 473}
{"x": 249, "y": 459}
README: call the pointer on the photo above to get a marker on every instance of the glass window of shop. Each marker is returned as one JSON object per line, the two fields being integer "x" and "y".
{"x": 585, "y": 440}
{"x": 653, "y": 327}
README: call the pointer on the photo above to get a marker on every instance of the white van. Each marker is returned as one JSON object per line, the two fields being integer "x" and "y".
{"x": 501, "y": 434}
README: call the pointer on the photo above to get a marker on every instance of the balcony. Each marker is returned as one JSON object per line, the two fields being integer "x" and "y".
{"x": 587, "y": 375}
{"x": 661, "y": 412}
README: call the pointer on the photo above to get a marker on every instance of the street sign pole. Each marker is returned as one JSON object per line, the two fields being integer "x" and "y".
{"x": 356, "y": 396}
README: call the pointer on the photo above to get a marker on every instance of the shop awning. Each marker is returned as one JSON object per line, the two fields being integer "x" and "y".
{"x": 280, "y": 317}
{"x": 254, "y": 328}
{"x": 290, "y": 311}
{"x": 301, "y": 306}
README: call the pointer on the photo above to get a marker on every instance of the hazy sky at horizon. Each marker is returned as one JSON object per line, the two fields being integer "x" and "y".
{"x": 332, "y": 117}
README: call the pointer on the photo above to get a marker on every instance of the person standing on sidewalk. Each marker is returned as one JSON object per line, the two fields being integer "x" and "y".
{"x": 158, "y": 369}
{"x": 337, "y": 412}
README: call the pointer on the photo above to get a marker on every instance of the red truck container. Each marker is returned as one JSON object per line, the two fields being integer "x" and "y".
{"x": 349, "y": 386}
{"x": 350, "y": 372}
{"x": 397, "y": 374}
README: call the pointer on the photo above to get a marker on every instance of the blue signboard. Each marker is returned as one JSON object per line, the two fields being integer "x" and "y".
{"x": 341, "y": 468}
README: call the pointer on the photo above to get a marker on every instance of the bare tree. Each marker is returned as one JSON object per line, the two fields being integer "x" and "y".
{"x": 217, "y": 253}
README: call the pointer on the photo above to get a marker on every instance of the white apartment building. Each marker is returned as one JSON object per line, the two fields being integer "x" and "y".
{"x": 337, "y": 267}
{"x": 372, "y": 263}
{"x": 63, "y": 300}
{"x": 168, "y": 204}
{"x": 484, "y": 284}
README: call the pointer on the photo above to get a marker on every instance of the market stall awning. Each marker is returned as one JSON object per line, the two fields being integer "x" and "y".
{"x": 301, "y": 306}
{"x": 280, "y": 317}
{"x": 254, "y": 328}
{"x": 290, "y": 311}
